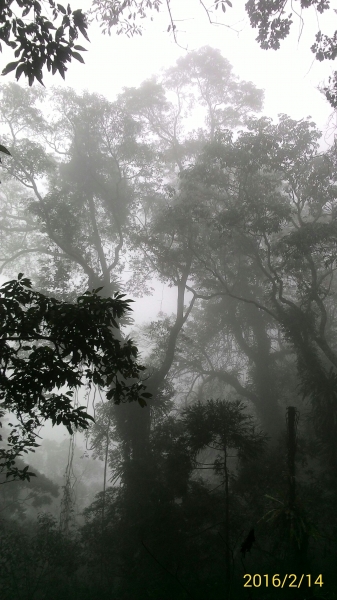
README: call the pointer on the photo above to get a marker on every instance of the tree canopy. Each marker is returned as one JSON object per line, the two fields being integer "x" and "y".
{"x": 184, "y": 181}
{"x": 224, "y": 213}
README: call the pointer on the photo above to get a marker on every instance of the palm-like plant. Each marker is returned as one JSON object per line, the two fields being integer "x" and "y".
{"x": 223, "y": 426}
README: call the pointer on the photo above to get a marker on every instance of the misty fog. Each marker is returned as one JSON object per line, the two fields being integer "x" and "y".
{"x": 168, "y": 399}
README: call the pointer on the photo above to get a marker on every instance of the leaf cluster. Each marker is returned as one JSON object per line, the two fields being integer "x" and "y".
{"x": 38, "y": 556}
{"x": 48, "y": 344}
{"x": 38, "y": 42}
{"x": 123, "y": 14}
{"x": 223, "y": 424}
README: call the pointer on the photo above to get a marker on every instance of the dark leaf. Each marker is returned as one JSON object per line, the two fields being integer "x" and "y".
{"x": 10, "y": 67}
{"x": 61, "y": 70}
{"x": 77, "y": 56}
{"x": 21, "y": 69}
{"x": 39, "y": 78}
{"x": 80, "y": 22}
{"x": 248, "y": 542}
{"x": 4, "y": 150}
{"x": 59, "y": 33}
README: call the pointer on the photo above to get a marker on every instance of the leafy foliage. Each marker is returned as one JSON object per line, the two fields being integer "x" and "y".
{"x": 34, "y": 43}
{"x": 274, "y": 21}
{"x": 41, "y": 556}
{"x": 48, "y": 344}
{"x": 112, "y": 14}
{"x": 20, "y": 501}
{"x": 237, "y": 213}
{"x": 223, "y": 425}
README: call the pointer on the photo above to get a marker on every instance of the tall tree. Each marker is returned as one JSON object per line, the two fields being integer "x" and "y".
{"x": 263, "y": 219}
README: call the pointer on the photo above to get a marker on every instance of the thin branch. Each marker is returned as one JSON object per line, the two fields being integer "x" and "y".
{"x": 21, "y": 252}
{"x": 173, "y": 27}
{"x": 214, "y": 22}
{"x": 19, "y": 229}
{"x": 231, "y": 295}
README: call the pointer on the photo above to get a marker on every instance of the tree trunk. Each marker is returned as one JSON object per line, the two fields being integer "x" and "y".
{"x": 227, "y": 526}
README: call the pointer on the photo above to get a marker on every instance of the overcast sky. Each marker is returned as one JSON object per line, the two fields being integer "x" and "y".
{"x": 290, "y": 76}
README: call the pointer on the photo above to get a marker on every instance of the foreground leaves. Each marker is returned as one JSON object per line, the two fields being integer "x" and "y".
{"x": 37, "y": 42}
{"x": 47, "y": 345}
